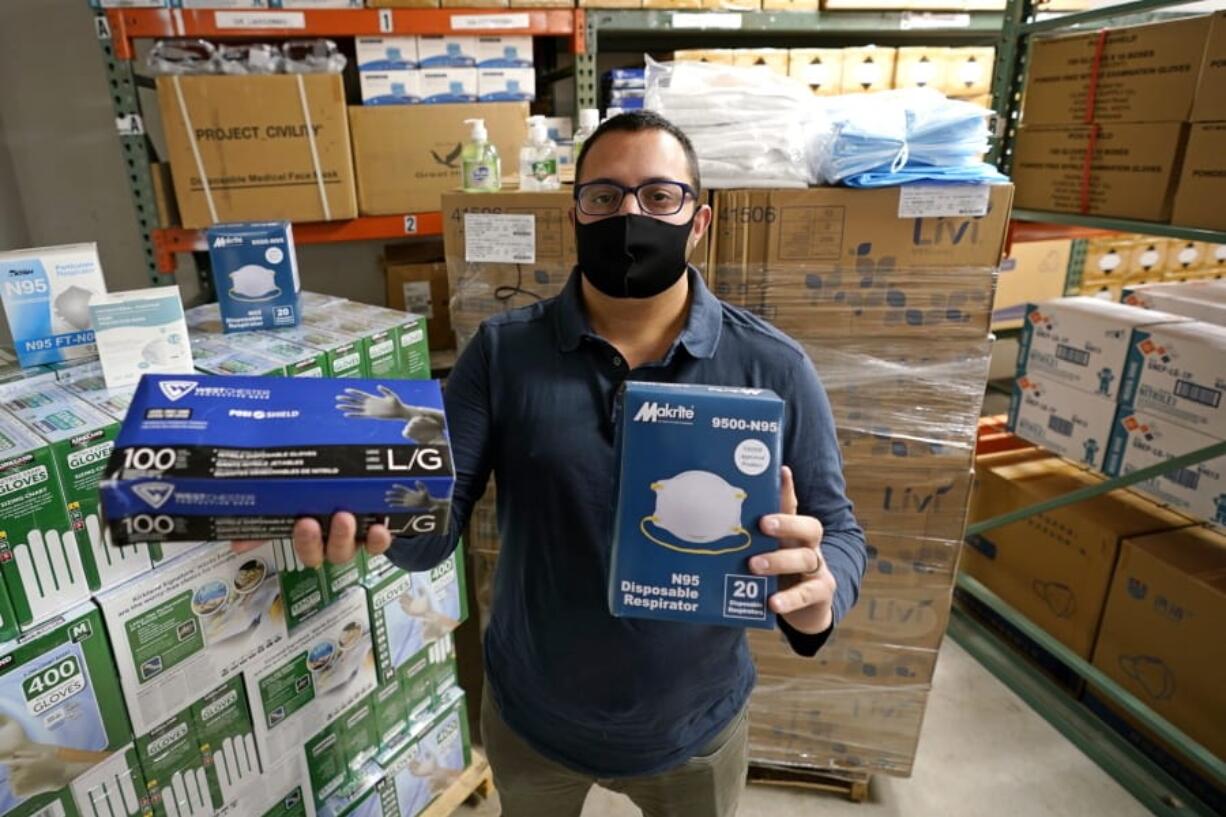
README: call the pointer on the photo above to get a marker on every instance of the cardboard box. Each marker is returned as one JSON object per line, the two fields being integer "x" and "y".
{"x": 844, "y": 659}
{"x": 969, "y": 71}
{"x": 342, "y": 354}
{"x": 391, "y": 87}
{"x": 399, "y": 173}
{"x": 1202, "y": 185}
{"x": 1082, "y": 342}
{"x": 251, "y": 136}
{"x": 789, "y": 5}
{"x": 775, "y": 59}
{"x": 385, "y": 53}
{"x": 174, "y": 769}
{"x": 505, "y": 51}
{"x": 432, "y": 762}
{"x": 911, "y": 617}
{"x": 1210, "y": 102}
{"x": 819, "y": 68}
{"x": 922, "y": 67}
{"x": 1148, "y": 258}
{"x": 1133, "y": 169}
{"x": 1073, "y": 423}
{"x": 868, "y": 68}
{"x": 418, "y": 287}
{"x": 116, "y": 782}
{"x": 1161, "y": 625}
{"x": 1055, "y": 567}
{"x": 64, "y": 709}
{"x": 1032, "y": 272}
{"x": 1140, "y": 440}
{"x": 1178, "y": 371}
{"x": 1109, "y": 259}
{"x": 396, "y": 340}
{"x": 506, "y": 84}
{"x": 446, "y": 51}
{"x": 1198, "y": 300}
{"x": 1186, "y": 256}
{"x": 221, "y": 722}
{"x": 1148, "y": 73}
{"x": 924, "y": 503}
{"x": 718, "y": 56}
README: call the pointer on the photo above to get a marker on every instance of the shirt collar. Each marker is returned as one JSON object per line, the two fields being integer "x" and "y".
{"x": 700, "y": 337}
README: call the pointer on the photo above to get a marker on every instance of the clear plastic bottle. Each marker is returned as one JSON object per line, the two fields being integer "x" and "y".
{"x": 481, "y": 166}
{"x": 538, "y": 158}
{"x": 589, "y": 120}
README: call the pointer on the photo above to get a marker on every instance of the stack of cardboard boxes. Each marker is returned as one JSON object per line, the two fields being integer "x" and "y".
{"x": 1126, "y": 261}
{"x": 1105, "y": 123}
{"x": 1119, "y": 388}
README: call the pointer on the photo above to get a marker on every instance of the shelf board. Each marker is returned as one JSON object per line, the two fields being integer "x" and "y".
{"x": 171, "y": 240}
{"x": 1076, "y": 225}
{"x": 1098, "y": 15}
{"x": 902, "y": 25}
{"x": 134, "y": 24}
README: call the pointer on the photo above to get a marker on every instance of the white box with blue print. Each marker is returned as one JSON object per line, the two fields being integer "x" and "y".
{"x": 1178, "y": 371}
{"x": 506, "y": 84}
{"x": 385, "y": 53}
{"x": 1072, "y": 423}
{"x": 398, "y": 87}
{"x": 446, "y": 51}
{"x": 448, "y": 85}
{"x": 510, "y": 51}
{"x": 698, "y": 468}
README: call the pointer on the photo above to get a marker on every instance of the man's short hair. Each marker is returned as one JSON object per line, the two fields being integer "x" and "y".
{"x": 636, "y": 122}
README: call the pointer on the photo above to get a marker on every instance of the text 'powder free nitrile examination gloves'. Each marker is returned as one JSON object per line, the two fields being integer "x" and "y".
{"x": 222, "y": 458}
{"x": 698, "y": 469}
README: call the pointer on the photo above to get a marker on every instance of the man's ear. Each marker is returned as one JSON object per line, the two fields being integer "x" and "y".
{"x": 702, "y": 222}
{"x": 571, "y": 215}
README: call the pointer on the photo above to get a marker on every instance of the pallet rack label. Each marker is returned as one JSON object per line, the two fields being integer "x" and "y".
{"x": 486, "y": 22}
{"x": 725, "y": 20}
{"x": 243, "y": 19}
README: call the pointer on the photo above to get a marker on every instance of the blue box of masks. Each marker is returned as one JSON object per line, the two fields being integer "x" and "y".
{"x": 698, "y": 468}
{"x": 255, "y": 275}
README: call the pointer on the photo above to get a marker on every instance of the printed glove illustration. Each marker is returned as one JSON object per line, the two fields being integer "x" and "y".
{"x": 423, "y": 426}
{"x": 416, "y": 498}
{"x": 115, "y": 562}
{"x": 417, "y": 604}
{"x": 34, "y": 768}
{"x": 235, "y": 762}
{"x": 107, "y": 789}
{"x": 1154, "y": 676}
{"x": 1058, "y": 597}
{"x": 426, "y": 767}
{"x": 50, "y": 569}
{"x": 188, "y": 795}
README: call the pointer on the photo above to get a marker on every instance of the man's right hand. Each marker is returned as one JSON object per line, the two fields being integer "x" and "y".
{"x": 341, "y": 546}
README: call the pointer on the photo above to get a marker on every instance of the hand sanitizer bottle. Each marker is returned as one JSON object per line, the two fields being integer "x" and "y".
{"x": 589, "y": 120}
{"x": 538, "y": 159}
{"x": 482, "y": 168}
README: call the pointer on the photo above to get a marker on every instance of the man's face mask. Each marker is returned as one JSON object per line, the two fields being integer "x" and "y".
{"x": 698, "y": 508}
{"x": 632, "y": 256}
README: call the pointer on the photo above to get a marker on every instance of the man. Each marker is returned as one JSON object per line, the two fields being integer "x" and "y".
{"x": 575, "y": 696}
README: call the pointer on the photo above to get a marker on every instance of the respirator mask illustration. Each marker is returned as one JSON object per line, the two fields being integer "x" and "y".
{"x": 697, "y": 508}
{"x": 253, "y": 283}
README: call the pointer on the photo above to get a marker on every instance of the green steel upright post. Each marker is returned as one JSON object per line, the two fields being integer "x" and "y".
{"x": 1008, "y": 79}
{"x": 585, "y": 66}
{"x": 134, "y": 142}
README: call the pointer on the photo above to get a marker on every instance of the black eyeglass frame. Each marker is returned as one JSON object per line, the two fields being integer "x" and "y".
{"x": 687, "y": 193}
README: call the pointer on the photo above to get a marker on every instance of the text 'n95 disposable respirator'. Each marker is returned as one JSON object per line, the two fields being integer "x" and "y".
{"x": 699, "y": 467}
{"x": 222, "y": 458}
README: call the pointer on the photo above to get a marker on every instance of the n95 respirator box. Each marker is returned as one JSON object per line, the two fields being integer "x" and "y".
{"x": 255, "y": 274}
{"x": 699, "y": 467}
{"x": 46, "y": 294}
{"x": 223, "y": 458}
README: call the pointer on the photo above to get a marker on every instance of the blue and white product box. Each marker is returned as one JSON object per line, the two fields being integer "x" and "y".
{"x": 1073, "y": 423}
{"x": 222, "y": 458}
{"x": 1178, "y": 371}
{"x": 255, "y": 274}
{"x": 448, "y": 85}
{"x": 1082, "y": 342}
{"x": 140, "y": 332}
{"x": 506, "y": 84}
{"x": 46, "y": 294}
{"x": 512, "y": 51}
{"x": 429, "y": 766}
{"x": 386, "y": 53}
{"x": 446, "y": 51}
{"x": 1141, "y": 440}
{"x": 391, "y": 87}
{"x": 699, "y": 467}
{"x": 1198, "y": 300}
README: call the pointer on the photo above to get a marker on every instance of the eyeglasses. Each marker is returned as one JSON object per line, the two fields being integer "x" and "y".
{"x": 656, "y": 198}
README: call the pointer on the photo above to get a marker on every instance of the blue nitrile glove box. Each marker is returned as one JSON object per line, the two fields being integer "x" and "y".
{"x": 221, "y": 458}
{"x": 698, "y": 469}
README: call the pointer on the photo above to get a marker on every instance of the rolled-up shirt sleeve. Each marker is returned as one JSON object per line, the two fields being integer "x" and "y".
{"x": 466, "y": 401}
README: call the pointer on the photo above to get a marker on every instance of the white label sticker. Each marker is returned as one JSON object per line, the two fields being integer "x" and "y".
{"x": 417, "y": 298}
{"x": 259, "y": 19}
{"x": 914, "y": 21}
{"x": 410, "y": 225}
{"x": 499, "y": 239}
{"x": 719, "y": 19}
{"x": 386, "y": 21}
{"x": 130, "y": 125}
{"x": 938, "y": 200}
{"x": 469, "y": 22}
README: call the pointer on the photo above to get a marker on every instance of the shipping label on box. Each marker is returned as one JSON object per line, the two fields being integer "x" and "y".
{"x": 1073, "y": 423}
{"x": 1141, "y": 440}
{"x": 1178, "y": 371}
{"x": 62, "y": 705}
{"x": 46, "y": 294}
{"x": 222, "y": 723}
{"x": 311, "y": 678}
{"x": 432, "y": 763}
{"x": 391, "y": 87}
{"x": 40, "y": 560}
{"x": 508, "y": 51}
{"x": 1082, "y": 342}
{"x": 255, "y": 275}
{"x": 698, "y": 466}
{"x": 410, "y": 610}
{"x": 448, "y": 86}
{"x": 446, "y": 51}
{"x": 1202, "y": 184}
{"x": 385, "y": 53}
{"x": 506, "y": 84}
{"x": 190, "y": 626}
{"x": 1144, "y": 73}
{"x": 81, "y": 439}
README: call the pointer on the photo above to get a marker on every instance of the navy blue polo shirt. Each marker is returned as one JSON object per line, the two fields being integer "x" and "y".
{"x": 530, "y": 400}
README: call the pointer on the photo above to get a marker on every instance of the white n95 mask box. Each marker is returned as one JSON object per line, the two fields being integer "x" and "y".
{"x": 46, "y": 294}
{"x": 1178, "y": 371}
{"x": 446, "y": 51}
{"x": 385, "y": 53}
{"x": 255, "y": 274}
{"x": 506, "y": 84}
{"x": 448, "y": 85}
{"x": 699, "y": 467}
{"x": 226, "y": 458}
{"x": 391, "y": 87}
{"x": 1068, "y": 421}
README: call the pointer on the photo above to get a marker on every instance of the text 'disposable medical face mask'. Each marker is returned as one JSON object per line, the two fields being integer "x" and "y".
{"x": 698, "y": 468}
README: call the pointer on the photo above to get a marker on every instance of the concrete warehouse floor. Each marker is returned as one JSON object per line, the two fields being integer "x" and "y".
{"x": 983, "y": 750}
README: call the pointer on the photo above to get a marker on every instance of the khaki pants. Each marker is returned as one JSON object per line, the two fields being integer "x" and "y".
{"x": 530, "y": 785}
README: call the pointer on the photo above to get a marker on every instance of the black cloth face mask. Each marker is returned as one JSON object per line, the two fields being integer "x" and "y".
{"x": 632, "y": 256}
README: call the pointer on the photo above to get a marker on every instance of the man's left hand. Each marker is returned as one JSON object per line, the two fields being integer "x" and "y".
{"x": 806, "y": 587}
